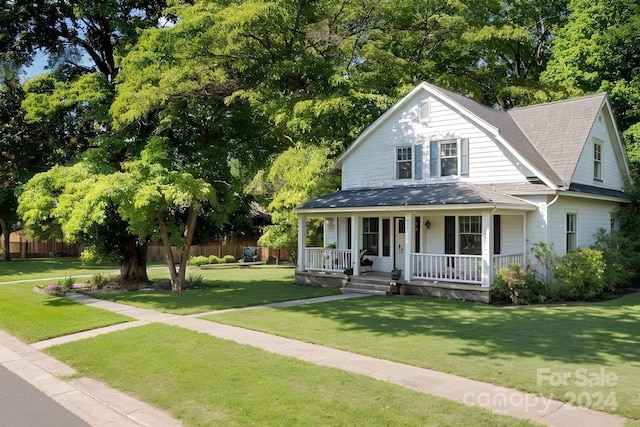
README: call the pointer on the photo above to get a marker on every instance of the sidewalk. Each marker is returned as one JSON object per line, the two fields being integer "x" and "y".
{"x": 498, "y": 399}
{"x": 91, "y": 401}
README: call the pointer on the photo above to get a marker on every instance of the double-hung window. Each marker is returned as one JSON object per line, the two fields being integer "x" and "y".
{"x": 597, "y": 160}
{"x": 370, "y": 234}
{"x": 409, "y": 162}
{"x": 471, "y": 235}
{"x": 449, "y": 158}
{"x": 404, "y": 165}
{"x": 571, "y": 231}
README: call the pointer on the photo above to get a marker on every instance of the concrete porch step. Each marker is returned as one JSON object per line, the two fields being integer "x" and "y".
{"x": 366, "y": 288}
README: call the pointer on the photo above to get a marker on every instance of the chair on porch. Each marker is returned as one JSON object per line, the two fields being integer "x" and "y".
{"x": 365, "y": 262}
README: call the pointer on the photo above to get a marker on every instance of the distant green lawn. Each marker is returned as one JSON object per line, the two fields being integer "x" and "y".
{"x": 42, "y": 268}
{"x": 34, "y": 316}
{"x": 206, "y": 381}
{"x": 521, "y": 347}
{"x": 232, "y": 287}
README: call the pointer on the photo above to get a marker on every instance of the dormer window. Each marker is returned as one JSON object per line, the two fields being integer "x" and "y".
{"x": 424, "y": 112}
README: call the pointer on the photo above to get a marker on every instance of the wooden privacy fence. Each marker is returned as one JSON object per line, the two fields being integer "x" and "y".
{"x": 231, "y": 246}
{"x": 22, "y": 246}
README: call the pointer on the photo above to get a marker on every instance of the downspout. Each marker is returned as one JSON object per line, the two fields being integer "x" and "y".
{"x": 555, "y": 199}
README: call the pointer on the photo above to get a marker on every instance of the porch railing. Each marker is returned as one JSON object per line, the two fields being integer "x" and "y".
{"x": 504, "y": 261}
{"x": 327, "y": 259}
{"x": 452, "y": 268}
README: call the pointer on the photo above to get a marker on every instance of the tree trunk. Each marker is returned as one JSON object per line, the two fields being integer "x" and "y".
{"x": 178, "y": 275}
{"x": 5, "y": 229}
{"x": 133, "y": 269}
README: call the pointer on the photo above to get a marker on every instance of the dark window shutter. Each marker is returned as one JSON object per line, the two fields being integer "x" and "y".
{"x": 416, "y": 242}
{"x": 449, "y": 234}
{"x": 433, "y": 159}
{"x": 464, "y": 157}
{"x": 496, "y": 234}
{"x": 417, "y": 161}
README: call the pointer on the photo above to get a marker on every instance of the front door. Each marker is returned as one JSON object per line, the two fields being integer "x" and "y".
{"x": 399, "y": 243}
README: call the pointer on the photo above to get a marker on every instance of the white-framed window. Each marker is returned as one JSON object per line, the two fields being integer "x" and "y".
{"x": 571, "y": 235}
{"x": 449, "y": 157}
{"x": 470, "y": 235}
{"x": 409, "y": 162}
{"x": 613, "y": 225}
{"x": 597, "y": 160}
{"x": 404, "y": 163}
{"x": 424, "y": 112}
{"x": 370, "y": 235}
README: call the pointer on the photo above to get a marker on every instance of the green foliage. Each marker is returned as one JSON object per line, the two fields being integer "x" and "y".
{"x": 90, "y": 256}
{"x": 597, "y": 50}
{"x": 228, "y": 259}
{"x": 580, "y": 273}
{"x": 519, "y": 285}
{"x": 546, "y": 258}
{"x": 297, "y": 175}
{"x": 197, "y": 261}
{"x": 55, "y": 289}
{"x": 195, "y": 282}
{"x": 66, "y": 283}
{"x": 98, "y": 281}
{"x": 620, "y": 258}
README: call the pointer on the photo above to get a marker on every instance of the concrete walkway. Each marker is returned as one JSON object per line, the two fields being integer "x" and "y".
{"x": 498, "y": 399}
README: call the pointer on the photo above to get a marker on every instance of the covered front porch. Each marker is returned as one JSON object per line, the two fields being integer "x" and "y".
{"x": 422, "y": 266}
{"x": 452, "y": 234}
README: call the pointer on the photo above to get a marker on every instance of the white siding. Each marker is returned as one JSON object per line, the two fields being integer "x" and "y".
{"x": 330, "y": 231}
{"x": 611, "y": 174}
{"x": 511, "y": 234}
{"x": 373, "y": 163}
{"x": 591, "y": 216}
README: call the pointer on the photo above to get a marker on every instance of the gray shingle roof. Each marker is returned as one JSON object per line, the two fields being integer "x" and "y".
{"x": 560, "y": 129}
{"x": 508, "y": 129}
{"x": 422, "y": 195}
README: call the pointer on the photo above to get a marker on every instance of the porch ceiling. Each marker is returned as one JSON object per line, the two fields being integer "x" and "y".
{"x": 450, "y": 195}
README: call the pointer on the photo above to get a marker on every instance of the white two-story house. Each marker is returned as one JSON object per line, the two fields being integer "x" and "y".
{"x": 449, "y": 191}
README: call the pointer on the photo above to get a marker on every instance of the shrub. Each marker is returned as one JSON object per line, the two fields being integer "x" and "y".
{"x": 195, "y": 282}
{"x": 519, "y": 285}
{"x": 228, "y": 259}
{"x": 621, "y": 261}
{"x": 214, "y": 260}
{"x": 89, "y": 256}
{"x": 197, "y": 261}
{"x": 580, "y": 274}
{"x": 54, "y": 289}
{"x": 66, "y": 283}
{"x": 98, "y": 281}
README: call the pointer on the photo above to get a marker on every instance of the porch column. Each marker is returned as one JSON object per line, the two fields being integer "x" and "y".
{"x": 525, "y": 254}
{"x": 355, "y": 244}
{"x": 409, "y": 224}
{"x": 487, "y": 248}
{"x": 302, "y": 241}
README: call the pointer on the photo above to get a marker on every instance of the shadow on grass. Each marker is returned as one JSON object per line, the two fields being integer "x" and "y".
{"x": 220, "y": 295}
{"x": 584, "y": 333}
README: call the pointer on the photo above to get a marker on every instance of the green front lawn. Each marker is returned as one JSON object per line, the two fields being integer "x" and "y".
{"x": 43, "y": 268}
{"x": 206, "y": 381}
{"x": 596, "y": 345}
{"x": 231, "y": 288}
{"x": 34, "y": 316}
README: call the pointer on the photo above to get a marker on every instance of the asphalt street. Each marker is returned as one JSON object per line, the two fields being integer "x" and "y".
{"x": 22, "y": 405}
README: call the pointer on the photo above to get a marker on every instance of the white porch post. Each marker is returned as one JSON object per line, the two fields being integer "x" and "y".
{"x": 487, "y": 248}
{"x": 525, "y": 255}
{"x": 409, "y": 224}
{"x": 355, "y": 244}
{"x": 302, "y": 241}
